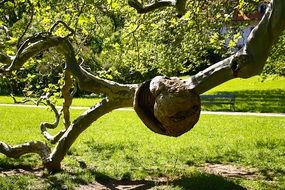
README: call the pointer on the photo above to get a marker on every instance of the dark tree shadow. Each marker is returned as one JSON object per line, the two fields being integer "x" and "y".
{"x": 196, "y": 182}
{"x": 10, "y": 164}
{"x": 206, "y": 181}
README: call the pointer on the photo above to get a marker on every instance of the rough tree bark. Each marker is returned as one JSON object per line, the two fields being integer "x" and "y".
{"x": 151, "y": 99}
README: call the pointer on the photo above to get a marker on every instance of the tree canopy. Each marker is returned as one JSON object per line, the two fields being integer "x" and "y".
{"x": 118, "y": 44}
{"x": 99, "y": 46}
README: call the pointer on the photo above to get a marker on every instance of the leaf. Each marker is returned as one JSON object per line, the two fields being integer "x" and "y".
{"x": 115, "y": 5}
{"x": 10, "y": 52}
{"x": 187, "y": 15}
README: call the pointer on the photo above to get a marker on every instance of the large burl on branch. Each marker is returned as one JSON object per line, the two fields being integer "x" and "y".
{"x": 168, "y": 106}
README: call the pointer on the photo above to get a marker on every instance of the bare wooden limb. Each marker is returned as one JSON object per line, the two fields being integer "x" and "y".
{"x": 250, "y": 60}
{"x": 53, "y": 139}
{"x": 150, "y": 7}
{"x": 156, "y": 4}
{"x": 86, "y": 80}
{"x": 37, "y": 147}
{"x": 29, "y": 23}
{"x": 25, "y": 100}
{"x": 35, "y": 38}
{"x": 71, "y": 31}
{"x": 76, "y": 128}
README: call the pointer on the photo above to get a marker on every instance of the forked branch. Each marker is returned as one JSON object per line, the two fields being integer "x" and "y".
{"x": 45, "y": 125}
{"x": 119, "y": 95}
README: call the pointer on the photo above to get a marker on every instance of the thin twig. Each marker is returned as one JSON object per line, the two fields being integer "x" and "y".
{"x": 64, "y": 24}
{"x": 25, "y": 100}
{"x": 28, "y": 25}
{"x": 53, "y": 139}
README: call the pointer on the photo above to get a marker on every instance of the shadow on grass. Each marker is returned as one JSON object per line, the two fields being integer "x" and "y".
{"x": 62, "y": 180}
{"x": 17, "y": 164}
{"x": 264, "y": 101}
{"x": 196, "y": 182}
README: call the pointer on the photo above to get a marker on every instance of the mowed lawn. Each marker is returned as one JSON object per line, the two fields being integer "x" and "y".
{"x": 119, "y": 149}
{"x": 251, "y": 95}
{"x": 220, "y": 152}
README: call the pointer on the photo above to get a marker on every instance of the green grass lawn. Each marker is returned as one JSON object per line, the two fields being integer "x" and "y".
{"x": 251, "y": 95}
{"x": 119, "y": 147}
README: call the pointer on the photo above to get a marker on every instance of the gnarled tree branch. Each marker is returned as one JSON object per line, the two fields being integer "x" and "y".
{"x": 37, "y": 147}
{"x": 156, "y": 4}
{"x": 119, "y": 95}
{"x": 25, "y": 100}
{"x": 155, "y": 109}
{"x": 45, "y": 125}
{"x": 86, "y": 80}
{"x": 76, "y": 128}
{"x": 250, "y": 60}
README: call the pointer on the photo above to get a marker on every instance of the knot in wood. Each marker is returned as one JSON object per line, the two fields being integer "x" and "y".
{"x": 238, "y": 63}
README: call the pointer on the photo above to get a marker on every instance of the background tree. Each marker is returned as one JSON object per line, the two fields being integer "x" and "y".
{"x": 108, "y": 38}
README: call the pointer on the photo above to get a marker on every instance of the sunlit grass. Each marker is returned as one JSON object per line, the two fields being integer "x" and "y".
{"x": 252, "y": 84}
{"x": 119, "y": 146}
{"x": 251, "y": 95}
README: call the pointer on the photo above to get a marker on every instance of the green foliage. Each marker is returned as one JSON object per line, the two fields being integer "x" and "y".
{"x": 276, "y": 61}
{"x": 118, "y": 44}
